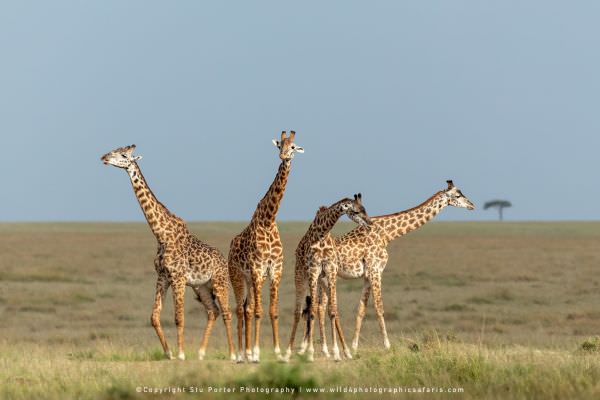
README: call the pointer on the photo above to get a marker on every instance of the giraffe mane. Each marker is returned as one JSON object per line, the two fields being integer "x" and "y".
{"x": 409, "y": 209}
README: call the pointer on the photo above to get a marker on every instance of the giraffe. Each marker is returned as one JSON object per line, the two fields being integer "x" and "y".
{"x": 316, "y": 259}
{"x": 257, "y": 254}
{"x": 363, "y": 251}
{"x": 181, "y": 260}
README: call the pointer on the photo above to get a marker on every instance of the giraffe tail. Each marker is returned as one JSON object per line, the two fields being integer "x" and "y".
{"x": 307, "y": 308}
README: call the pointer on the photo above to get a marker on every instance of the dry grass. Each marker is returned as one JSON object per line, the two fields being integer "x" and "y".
{"x": 503, "y": 310}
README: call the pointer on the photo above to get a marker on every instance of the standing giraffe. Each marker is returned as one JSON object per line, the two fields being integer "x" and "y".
{"x": 256, "y": 253}
{"x": 317, "y": 259}
{"x": 182, "y": 260}
{"x": 363, "y": 251}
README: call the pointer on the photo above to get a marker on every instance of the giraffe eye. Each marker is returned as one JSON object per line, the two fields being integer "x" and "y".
{"x": 123, "y": 155}
{"x": 293, "y": 147}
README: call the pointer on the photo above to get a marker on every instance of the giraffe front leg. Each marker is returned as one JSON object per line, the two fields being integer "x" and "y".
{"x": 362, "y": 309}
{"x": 238, "y": 283}
{"x": 274, "y": 312}
{"x": 257, "y": 318}
{"x": 178, "y": 299}
{"x": 162, "y": 284}
{"x": 376, "y": 288}
{"x": 312, "y": 283}
{"x": 248, "y": 315}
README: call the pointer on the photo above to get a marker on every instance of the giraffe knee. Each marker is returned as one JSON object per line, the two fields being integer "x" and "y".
{"x": 249, "y": 311}
{"x": 213, "y": 314}
{"x": 274, "y": 314}
{"x": 227, "y": 315}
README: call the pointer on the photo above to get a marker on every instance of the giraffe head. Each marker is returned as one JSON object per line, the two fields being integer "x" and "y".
{"x": 122, "y": 157}
{"x": 287, "y": 147}
{"x": 355, "y": 210}
{"x": 455, "y": 197}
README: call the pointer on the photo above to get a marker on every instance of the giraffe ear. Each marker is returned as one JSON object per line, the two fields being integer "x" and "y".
{"x": 276, "y": 143}
{"x": 292, "y": 135}
{"x": 137, "y": 158}
{"x": 282, "y": 136}
{"x": 450, "y": 184}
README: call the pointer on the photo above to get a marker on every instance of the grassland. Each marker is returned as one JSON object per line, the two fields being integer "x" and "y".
{"x": 501, "y": 310}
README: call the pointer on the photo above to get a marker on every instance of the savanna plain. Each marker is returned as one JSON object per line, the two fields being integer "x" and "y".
{"x": 501, "y": 310}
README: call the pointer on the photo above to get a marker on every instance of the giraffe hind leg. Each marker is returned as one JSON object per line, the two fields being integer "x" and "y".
{"x": 205, "y": 296}
{"x": 221, "y": 296}
{"x": 300, "y": 288}
{"x": 323, "y": 300}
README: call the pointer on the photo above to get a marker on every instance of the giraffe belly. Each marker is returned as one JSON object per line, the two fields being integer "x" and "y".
{"x": 197, "y": 278}
{"x": 354, "y": 271}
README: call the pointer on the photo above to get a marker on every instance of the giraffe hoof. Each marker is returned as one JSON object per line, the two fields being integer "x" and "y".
{"x": 387, "y": 344}
{"x": 354, "y": 346}
{"x": 201, "y": 355}
{"x": 169, "y": 355}
{"x": 283, "y": 359}
{"x": 181, "y": 356}
{"x": 232, "y": 357}
{"x": 348, "y": 354}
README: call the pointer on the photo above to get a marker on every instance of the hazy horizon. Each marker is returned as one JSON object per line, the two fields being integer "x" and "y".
{"x": 388, "y": 99}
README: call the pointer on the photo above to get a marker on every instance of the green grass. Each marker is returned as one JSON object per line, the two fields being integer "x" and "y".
{"x": 501, "y": 310}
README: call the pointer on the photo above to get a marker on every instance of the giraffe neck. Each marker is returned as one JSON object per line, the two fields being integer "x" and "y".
{"x": 323, "y": 223}
{"x": 267, "y": 208}
{"x": 403, "y": 222}
{"x": 161, "y": 221}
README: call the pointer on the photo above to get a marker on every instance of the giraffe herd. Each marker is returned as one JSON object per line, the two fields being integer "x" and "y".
{"x": 256, "y": 255}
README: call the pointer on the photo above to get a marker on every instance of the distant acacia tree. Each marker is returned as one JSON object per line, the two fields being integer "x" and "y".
{"x": 499, "y": 204}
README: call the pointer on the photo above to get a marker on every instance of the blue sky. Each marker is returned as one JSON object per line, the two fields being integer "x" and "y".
{"x": 389, "y": 98}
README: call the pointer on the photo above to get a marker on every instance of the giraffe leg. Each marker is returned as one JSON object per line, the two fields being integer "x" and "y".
{"x": 248, "y": 315}
{"x": 312, "y": 283}
{"x": 238, "y": 283}
{"x": 300, "y": 290}
{"x": 376, "y": 287}
{"x": 257, "y": 318}
{"x": 205, "y": 296}
{"x": 362, "y": 309}
{"x": 274, "y": 310}
{"x": 221, "y": 293}
{"x": 323, "y": 300}
{"x": 335, "y": 317}
{"x": 178, "y": 299}
{"x": 162, "y": 284}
